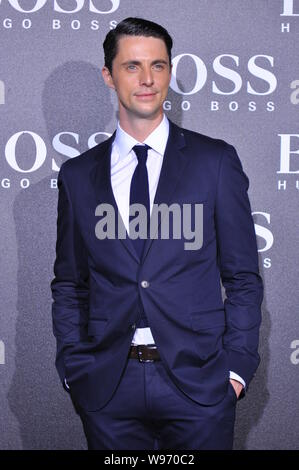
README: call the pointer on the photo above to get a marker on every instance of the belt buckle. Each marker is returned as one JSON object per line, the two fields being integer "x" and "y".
{"x": 139, "y": 352}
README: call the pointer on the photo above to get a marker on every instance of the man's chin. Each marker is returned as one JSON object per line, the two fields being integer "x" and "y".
{"x": 148, "y": 114}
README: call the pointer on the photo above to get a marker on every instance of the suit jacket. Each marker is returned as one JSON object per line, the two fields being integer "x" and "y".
{"x": 98, "y": 283}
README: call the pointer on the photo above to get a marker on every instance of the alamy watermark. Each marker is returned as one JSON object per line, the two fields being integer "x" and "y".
{"x": 183, "y": 224}
{"x": 294, "y": 358}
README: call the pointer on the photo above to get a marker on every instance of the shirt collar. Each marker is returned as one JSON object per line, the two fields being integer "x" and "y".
{"x": 157, "y": 140}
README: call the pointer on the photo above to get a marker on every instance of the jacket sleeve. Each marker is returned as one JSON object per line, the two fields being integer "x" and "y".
{"x": 238, "y": 262}
{"x": 70, "y": 286}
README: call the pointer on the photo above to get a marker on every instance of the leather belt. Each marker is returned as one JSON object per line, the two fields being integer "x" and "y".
{"x": 144, "y": 353}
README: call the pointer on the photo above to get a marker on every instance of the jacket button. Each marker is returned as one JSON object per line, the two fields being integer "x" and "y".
{"x": 144, "y": 284}
{"x": 133, "y": 326}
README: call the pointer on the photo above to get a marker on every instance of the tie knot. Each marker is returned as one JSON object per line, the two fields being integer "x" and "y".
{"x": 141, "y": 152}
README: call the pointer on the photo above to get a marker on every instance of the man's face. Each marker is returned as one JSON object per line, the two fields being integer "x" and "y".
{"x": 140, "y": 76}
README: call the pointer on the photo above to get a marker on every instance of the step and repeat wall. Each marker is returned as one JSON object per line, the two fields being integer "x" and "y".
{"x": 235, "y": 77}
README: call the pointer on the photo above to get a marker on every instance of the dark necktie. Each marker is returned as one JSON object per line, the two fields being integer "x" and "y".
{"x": 139, "y": 192}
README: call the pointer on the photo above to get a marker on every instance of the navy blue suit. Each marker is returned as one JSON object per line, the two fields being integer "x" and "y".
{"x": 97, "y": 284}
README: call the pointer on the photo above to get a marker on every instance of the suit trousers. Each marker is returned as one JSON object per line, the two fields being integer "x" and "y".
{"x": 149, "y": 412}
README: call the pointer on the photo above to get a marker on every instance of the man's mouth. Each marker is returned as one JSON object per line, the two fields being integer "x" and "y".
{"x": 145, "y": 95}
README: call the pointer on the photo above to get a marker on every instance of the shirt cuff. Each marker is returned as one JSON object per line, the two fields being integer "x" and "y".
{"x": 234, "y": 376}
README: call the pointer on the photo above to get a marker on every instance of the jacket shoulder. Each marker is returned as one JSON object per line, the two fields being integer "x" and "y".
{"x": 209, "y": 143}
{"x": 85, "y": 161}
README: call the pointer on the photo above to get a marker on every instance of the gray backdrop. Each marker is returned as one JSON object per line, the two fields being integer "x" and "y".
{"x": 236, "y": 78}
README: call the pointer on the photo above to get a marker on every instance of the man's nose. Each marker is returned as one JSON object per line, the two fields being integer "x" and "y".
{"x": 146, "y": 77}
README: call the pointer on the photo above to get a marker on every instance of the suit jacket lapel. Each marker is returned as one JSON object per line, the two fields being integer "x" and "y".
{"x": 174, "y": 162}
{"x": 101, "y": 178}
{"x": 173, "y": 165}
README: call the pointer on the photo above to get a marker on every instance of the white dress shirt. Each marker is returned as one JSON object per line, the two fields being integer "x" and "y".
{"x": 123, "y": 164}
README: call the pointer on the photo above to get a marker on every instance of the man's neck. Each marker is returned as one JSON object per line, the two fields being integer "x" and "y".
{"x": 140, "y": 129}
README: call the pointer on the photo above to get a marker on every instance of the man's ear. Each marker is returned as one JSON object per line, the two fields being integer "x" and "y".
{"x": 107, "y": 77}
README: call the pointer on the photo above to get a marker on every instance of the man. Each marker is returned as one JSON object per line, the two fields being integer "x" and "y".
{"x": 150, "y": 353}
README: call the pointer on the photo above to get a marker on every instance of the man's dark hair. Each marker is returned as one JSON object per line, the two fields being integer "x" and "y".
{"x": 134, "y": 27}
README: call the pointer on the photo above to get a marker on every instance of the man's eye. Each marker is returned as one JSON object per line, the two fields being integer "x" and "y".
{"x": 159, "y": 66}
{"x": 132, "y": 67}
